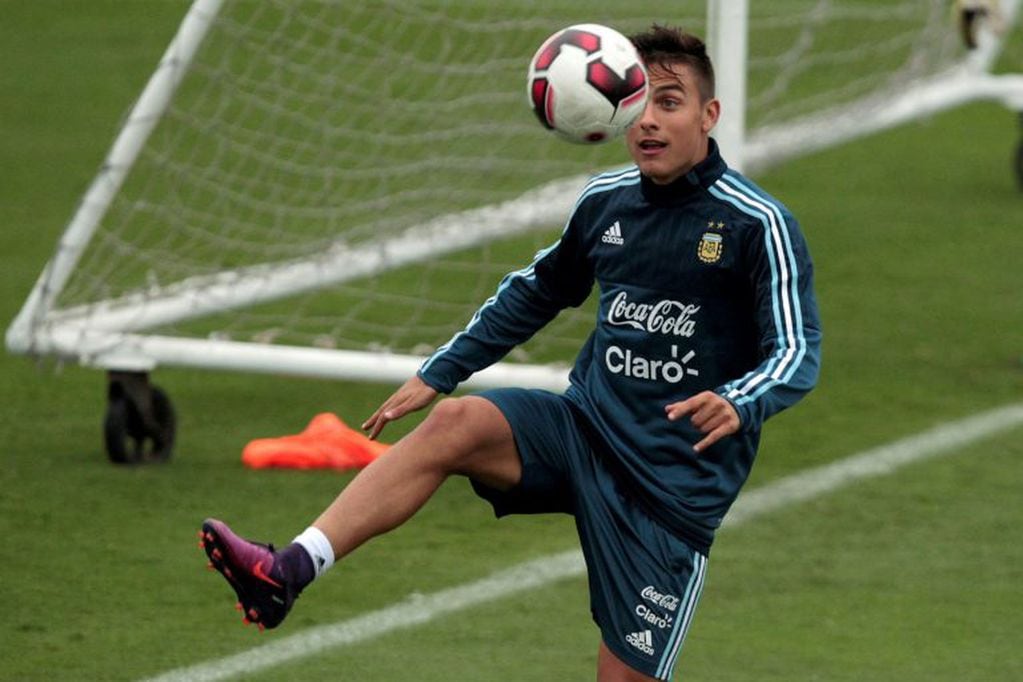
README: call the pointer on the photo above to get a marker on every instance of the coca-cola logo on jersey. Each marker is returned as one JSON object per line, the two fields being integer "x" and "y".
{"x": 666, "y": 316}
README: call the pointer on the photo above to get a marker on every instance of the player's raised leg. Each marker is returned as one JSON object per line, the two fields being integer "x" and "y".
{"x": 467, "y": 436}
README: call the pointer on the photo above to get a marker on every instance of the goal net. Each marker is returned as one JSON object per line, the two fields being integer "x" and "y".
{"x": 332, "y": 188}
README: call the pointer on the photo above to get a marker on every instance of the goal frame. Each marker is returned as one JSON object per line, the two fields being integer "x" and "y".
{"x": 112, "y": 337}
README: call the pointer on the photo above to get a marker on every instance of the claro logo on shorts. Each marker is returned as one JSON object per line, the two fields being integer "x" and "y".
{"x": 654, "y": 618}
{"x": 672, "y": 318}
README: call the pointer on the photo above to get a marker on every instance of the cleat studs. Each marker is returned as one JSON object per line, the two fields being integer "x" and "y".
{"x": 238, "y": 606}
{"x": 216, "y": 554}
{"x": 261, "y": 627}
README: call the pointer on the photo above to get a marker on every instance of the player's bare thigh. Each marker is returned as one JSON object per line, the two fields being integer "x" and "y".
{"x": 473, "y": 438}
{"x": 610, "y": 668}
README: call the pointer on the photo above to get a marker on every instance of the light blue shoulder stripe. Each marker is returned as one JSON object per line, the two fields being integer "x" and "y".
{"x": 732, "y": 388}
{"x": 786, "y": 307}
{"x": 740, "y": 182}
{"x": 608, "y": 181}
{"x": 792, "y": 341}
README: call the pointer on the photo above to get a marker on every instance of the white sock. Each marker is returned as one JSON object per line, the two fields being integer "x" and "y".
{"x": 318, "y": 546}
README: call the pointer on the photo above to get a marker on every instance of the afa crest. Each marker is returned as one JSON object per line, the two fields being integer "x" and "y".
{"x": 710, "y": 248}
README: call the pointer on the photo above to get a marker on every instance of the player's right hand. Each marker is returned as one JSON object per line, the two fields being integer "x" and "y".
{"x": 714, "y": 416}
{"x": 413, "y": 395}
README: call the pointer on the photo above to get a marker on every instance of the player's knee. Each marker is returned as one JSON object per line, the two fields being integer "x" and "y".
{"x": 453, "y": 422}
{"x": 470, "y": 436}
{"x": 449, "y": 411}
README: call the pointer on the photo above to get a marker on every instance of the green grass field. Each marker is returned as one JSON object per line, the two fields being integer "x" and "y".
{"x": 916, "y": 236}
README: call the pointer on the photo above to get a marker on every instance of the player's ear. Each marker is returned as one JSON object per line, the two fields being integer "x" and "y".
{"x": 711, "y": 114}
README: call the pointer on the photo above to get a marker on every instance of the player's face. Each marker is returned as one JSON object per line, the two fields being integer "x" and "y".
{"x": 671, "y": 135}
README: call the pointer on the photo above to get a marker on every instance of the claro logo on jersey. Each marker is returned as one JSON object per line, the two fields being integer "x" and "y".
{"x": 623, "y": 361}
{"x": 666, "y": 316}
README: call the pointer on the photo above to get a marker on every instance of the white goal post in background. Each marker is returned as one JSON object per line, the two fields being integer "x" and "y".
{"x": 349, "y": 172}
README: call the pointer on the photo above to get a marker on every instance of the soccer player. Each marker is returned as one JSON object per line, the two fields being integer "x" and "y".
{"x": 707, "y": 326}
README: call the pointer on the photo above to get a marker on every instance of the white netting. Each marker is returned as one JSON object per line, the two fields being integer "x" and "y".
{"x": 313, "y": 132}
{"x": 854, "y": 48}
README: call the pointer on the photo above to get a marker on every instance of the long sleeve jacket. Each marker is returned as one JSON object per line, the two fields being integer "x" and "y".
{"x": 704, "y": 284}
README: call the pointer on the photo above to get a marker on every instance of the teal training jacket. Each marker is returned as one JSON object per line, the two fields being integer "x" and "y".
{"x": 704, "y": 284}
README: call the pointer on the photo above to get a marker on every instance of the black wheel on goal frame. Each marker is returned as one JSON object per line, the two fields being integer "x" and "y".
{"x": 140, "y": 423}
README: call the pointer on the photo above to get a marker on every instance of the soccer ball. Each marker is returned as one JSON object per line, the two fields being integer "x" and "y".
{"x": 587, "y": 83}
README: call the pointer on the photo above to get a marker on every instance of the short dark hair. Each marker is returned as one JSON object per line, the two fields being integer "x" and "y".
{"x": 666, "y": 46}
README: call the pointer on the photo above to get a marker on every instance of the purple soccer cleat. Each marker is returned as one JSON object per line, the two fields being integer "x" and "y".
{"x": 265, "y": 594}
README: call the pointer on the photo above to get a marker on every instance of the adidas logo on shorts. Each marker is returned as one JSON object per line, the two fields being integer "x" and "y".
{"x": 643, "y": 641}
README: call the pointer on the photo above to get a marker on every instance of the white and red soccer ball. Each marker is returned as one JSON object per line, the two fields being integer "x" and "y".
{"x": 587, "y": 83}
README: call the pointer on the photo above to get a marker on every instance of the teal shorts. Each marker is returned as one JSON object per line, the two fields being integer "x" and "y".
{"x": 644, "y": 580}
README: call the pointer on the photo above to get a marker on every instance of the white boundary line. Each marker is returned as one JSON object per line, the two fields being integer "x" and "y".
{"x": 419, "y": 609}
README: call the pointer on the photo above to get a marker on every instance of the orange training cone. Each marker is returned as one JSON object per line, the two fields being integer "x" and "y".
{"x": 326, "y": 443}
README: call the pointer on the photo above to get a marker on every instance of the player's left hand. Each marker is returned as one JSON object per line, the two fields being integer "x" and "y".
{"x": 414, "y": 395}
{"x": 711, "y": 414}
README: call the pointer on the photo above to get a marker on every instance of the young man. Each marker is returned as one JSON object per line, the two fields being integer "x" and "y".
{"x": 707, "y": 325}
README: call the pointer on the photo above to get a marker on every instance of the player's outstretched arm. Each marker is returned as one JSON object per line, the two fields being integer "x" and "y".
{"x": 413, "y": 395}
{"x": 711, "y": 414}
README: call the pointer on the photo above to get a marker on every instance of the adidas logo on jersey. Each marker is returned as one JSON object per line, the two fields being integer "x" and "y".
{"x": 613, "y": 235}
{"x": 643, "y": 641}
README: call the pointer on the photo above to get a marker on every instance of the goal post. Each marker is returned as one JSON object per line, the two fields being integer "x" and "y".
{"x": 727, "y": 42}
{"x": 23, "y": 332}
{"x": 331, "y": 189}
